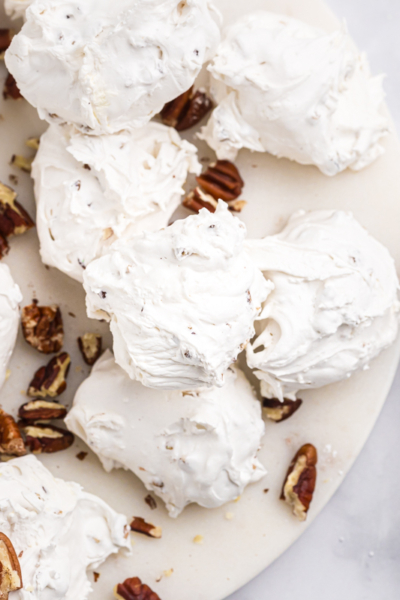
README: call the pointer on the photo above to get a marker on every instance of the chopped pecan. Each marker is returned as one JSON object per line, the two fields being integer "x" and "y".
{"x": 46, "y": 438}
{"x": 81, "y": 455}
{"x": 33, "y": 142}
{"x": 21, "y": 162}
{"x": 10, "y": 569}
{"x": 6, "y": 35}
{"x": 42, "y": 327}
{"x": 299, "y": 485}
{"x": 134, "y": 589}
{"x": 14, "y": 219}
{"x": 222, "y": 180}
{"x": 150, "y": 502}
{"x": 41, "y": 410}
{"x": 50, "y": 380}
{"x": 11, "y": 90}
{"x": 90, "y": 344}
{"x": 186, "y": 110}
{"x": 141, "y": 526}
{"x": 11, "y": 441}
{"x": 279, "y": 411}
{"x": 4, "y": 247}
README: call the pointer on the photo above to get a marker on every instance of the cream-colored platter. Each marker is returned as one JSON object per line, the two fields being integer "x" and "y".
{"x": 244, "y": 537}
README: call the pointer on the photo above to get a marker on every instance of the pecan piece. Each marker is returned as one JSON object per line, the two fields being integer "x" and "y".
{"x": 186, "y": 110}
{"x": 41, "y": 410}
{"x": 33, "y": 142}
{"x": 4, "y": 247}
{"x": 141, "y": 526}
{"x": 42, "y": 327}
{"x": 46, "y": 438}
{"x": 6, "y": 35}
{"x": 278, "y": 411}
{"x": 10, "y": 569}
{"x": 11, "y": 441}
{"x": 14, "y": 219}
{"x": 221, "y": 181}
{"x": 90, "y": 345}
{"x": 11, "y": 90}
{"x": 150, "y": 502}
{"x": 299, "y": 485}
{"x": 50, "y": 380}
{"x": 21, "y": 162}
{"x": 134, "y": 589}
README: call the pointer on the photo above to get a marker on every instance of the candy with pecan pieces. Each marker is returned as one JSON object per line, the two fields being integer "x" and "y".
{"x": 50, "y": 380}
{"x": 42, "y": 327}
{"x": 141, "y": 526}
{"x": 11, "y": 90}
{"x": 299, "y": 485}
{"x": 134, "y": 589}
{"x": 14, "y": 220}
{"x": 6, "y": 35}
{"x": 278, "y": 411}
{"x": 10, "y": 569}
{"x": 221, "y": 181}
{"x": 46, "y": 438}
{"x": 187, "y": 110}
{"x": 41, "y": 410}
{"x": 90, "y": 345}
{"x": 11, "y": 441}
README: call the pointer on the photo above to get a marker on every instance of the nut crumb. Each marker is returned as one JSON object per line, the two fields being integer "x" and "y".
{"x": 229, "y": 516}
{"x": 81, "y": 455}
{"x": 168, "y": 572}
{"x": 198, "y": 539}
{"x": 150, "y": 501}
{"x": 96, "y": 576}
{"x": 266, "y": 490}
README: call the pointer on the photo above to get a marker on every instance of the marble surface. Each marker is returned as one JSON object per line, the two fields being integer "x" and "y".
{"x": 352, "y": 549}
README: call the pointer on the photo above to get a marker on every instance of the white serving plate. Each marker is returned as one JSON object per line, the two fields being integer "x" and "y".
{"x": 337, "y": 419}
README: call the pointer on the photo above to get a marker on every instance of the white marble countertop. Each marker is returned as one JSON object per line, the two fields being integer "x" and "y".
{"x": 352, "y": 550}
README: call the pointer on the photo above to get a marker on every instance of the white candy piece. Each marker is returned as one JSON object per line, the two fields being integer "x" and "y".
{"x": 106, "y": 67}
{"x": 296, "y": 92}
{"x": 197, "y": 446}
{"x": 334, "y": 307}
{"x": 10, "y": 297}
{"x": 58, "y": 530}
{"x": 91, "y": 190}
{"x": 181, "y": 302}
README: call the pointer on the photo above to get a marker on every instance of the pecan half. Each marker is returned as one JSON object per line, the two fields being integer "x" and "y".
{"x": 186, "y": 110}
{"x": 10, "y": 569}
{"x": 4, "y": 247}
{"x": 90, "y": 345}
{"x": 299, "y": 485}
{"x": 11, "y": 90}
{"x": 50, "y": 380}
{"x": 46, "y": 438}
{"x": 42, "y": 327}
{"x": 220, "y": 181}
{"x": 278, "y": 411}
{"x": 21, "y": 162}
{"x": 11, "y": 441}
{"x": 41, "y": 410}
{"x": 6, "y": 35}
{"x": 134, "y": 589}
{"x": 141, "y": 526}
{"x": 14, "y": 219}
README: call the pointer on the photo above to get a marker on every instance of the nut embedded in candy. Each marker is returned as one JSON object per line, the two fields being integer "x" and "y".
{"x": 50, "y": 380}
{"x": 46, "y": 438}
{"x": 278, "y": 411}
{"x": 41, "y": 410}
{"x": 221, "y": 181}
{"x": 141, "y": 526}
{"x": 11, "y": 442}
{"x": 186, "y": 110}
{"x": 299, "y": 485}
{"x": 134, "y": 589}
{"x": 10, "y": 569}
{"x": 14, "y": 220}
{"x": 90, "y": 345}
{"x": 11, "y": 90}
{"x": 42, "y": 327}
